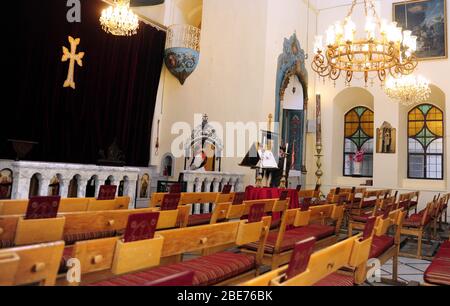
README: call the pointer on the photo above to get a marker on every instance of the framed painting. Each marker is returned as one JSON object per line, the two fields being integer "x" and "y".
{"x": 427, "y": 19}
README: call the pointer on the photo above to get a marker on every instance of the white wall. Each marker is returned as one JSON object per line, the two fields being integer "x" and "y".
{"x": 390, "y": 170}
{"x": 235, "y": 79}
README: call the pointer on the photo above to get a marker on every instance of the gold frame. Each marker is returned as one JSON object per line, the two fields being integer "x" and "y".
{"x": 395, "y": 4}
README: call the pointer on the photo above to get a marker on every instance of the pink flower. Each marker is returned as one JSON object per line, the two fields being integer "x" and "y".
{"x": 358, "y": 156}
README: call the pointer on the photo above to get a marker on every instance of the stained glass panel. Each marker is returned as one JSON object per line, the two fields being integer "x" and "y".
{"x": 425, "y": 143}
{"x": 359, "y": 130}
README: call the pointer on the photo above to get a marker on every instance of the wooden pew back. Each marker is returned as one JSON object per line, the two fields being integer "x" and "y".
{"x": 96, "y": 255}
{"x": 308, "y": 193}
{"x": 36, "y": 263}
{"x": 350, "y": 252}
{"x": 193, "y": 197}
{"x": 77, "y": 224}
{"x": 13, "y": 207}
{"x": 19, "y": 207}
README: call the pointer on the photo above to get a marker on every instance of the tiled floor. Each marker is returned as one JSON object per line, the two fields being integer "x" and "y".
{"x": 408, "y": 269}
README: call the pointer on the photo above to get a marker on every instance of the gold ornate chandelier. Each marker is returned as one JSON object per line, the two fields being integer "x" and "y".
{"x": 408, "y": 90}
{"x": 119, "y": 19}
{"x": 385, "y": 49}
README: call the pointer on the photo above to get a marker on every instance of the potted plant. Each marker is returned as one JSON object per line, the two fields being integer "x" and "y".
{"x": 357, "y": 159}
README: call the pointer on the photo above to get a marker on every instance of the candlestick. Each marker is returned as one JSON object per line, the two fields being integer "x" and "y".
{"x": 285, "y": 157}
{"x": 319, "y": 172}
{"x": 318, "y": 120}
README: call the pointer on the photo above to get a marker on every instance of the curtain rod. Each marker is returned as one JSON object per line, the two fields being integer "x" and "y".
{"x": 144, "y": 19}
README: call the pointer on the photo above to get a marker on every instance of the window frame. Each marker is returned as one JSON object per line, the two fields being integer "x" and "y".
{"x": 345, "y": 153}
{"x": 425, "y": 154}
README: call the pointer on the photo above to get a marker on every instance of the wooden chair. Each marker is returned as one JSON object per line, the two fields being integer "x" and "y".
{"x": 358, "y": 222}
{"x": 35, "y": 264}
{"x": 416, "y": 226}
{"x": 386, "y": 246}
{"x": 323, "y": 265}
{"x": 231, "y": 268}
{"x": 312, "y": 195}
{"x": 409, "y": 201}
{"x": 311, "y": 223}
{"x": 446, "y": 209}
{"x": 359, "y": 205}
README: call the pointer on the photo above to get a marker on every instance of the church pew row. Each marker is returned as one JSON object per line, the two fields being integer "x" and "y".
{"x": 19, "y": 207}
{"x": 385, "y": 241}
{"x": 111, "y": 262}
{"x": 35, "y": 264}
{"x": 73, "y": 227}
{"x": 322, "y": 222}
{"x": 366, "y": 202}
{"x": 193, "y": 197}
{"x": 323, "y": 266}
{"x": 416, "y": 225}
{"x": 357, "y": 222}
{"x": 438, "y": 273}
{"x": 409, "y": 201}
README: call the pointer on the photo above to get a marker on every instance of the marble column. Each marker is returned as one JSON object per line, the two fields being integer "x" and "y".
{"x": 43, "y": 185}
{"x": 206, "y": 209}
{"x": 64, "y": 188}
{"x": 198, "y": 188}
{"x": 82, "y": 182}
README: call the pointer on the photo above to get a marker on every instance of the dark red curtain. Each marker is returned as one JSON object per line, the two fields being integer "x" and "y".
{"x": 115, "y": 89}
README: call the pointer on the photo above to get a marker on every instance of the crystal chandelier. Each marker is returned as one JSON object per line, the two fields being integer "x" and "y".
{"x": 384, "y": 50}
{"x": 408, "y": 89}
{"x": 119, "y": 19}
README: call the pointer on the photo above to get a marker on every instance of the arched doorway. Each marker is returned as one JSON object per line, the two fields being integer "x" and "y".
{"x": 291, "y": 103}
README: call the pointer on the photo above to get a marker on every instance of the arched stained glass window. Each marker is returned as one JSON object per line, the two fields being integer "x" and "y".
{"x": 358, "y": 138}
{"x": 425, "y": 142}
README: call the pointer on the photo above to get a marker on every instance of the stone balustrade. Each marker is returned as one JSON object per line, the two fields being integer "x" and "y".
{"x": 45, "y": 172}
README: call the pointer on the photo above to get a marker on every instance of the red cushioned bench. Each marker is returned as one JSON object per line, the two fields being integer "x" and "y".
{"x": 108, "y": 262}
{"x": 208, "y": 270}
{"x": 297, "y": 225}
{"x": 438, "y": 273}
{"x": 323, "y": 267}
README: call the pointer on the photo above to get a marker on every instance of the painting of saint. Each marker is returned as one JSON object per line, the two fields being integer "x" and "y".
{"x": 427, "y": 19}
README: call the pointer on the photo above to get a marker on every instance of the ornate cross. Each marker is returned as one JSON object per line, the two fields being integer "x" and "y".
{"x": 72, "y": 56}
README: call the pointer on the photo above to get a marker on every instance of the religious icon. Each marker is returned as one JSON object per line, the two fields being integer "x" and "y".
{"x": 386, "y": 138}
{"x": 73, "y": 57}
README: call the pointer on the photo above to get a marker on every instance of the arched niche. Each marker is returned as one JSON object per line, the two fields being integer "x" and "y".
{"x": 73, "y": 187}
{"x": 343, "y": 102}
{"x": 91, "y": 186}
{"x": 109, "y": 180}
{"x": 144, "y": 186}
{"x": 35, "y": 183}
{"x": 167, "y": 165}
{"x": 54, "y": 187}
{"x": 6, "y": 181}
{"x": 291, "y": 101}
{"x": 123, "y": 187}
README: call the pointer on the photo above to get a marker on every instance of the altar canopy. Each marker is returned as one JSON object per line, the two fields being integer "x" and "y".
{"x": 115, "y": 91}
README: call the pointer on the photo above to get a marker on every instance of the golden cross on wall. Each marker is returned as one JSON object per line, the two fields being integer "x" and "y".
{"x": 72, "y": 56}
